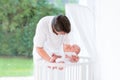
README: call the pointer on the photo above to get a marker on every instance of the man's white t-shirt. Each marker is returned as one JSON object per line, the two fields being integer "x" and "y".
{"x": 44, "y": 37}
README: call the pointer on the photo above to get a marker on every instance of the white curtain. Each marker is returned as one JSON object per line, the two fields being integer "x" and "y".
{"x": 83, "y": 29}
{"x": 84, "y": 32}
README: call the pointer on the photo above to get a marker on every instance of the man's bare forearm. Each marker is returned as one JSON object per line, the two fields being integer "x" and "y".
{"x": 43, "y": 54}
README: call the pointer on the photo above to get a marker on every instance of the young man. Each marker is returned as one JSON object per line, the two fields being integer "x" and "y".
{"x": 50, "y": 37}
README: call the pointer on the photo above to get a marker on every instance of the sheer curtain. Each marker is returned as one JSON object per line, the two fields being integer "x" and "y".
{"x": 83, "y": 29}
{"x": 83, "y": 32}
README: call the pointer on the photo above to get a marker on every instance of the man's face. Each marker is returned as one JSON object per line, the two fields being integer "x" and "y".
{"x": 59, "y": 33}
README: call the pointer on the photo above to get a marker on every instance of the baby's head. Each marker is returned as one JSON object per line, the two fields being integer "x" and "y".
{"x": 75, "y": 48}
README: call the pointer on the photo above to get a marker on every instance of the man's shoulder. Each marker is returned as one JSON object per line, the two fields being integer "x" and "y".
{"x": 47, "y": 17}
{"x": 45, "y": 22}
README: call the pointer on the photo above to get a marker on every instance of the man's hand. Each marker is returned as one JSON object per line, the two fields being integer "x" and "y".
{"x": 53, "y": 60}
{"x": 54, "y": 57}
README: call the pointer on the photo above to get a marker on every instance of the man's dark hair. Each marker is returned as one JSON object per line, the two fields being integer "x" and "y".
{"x": 61, "y": 23}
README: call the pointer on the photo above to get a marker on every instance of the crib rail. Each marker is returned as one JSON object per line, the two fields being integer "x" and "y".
{"x": 66, "y": 71}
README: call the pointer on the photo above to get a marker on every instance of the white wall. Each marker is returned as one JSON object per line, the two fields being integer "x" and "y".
{"x": 108, "y": 38}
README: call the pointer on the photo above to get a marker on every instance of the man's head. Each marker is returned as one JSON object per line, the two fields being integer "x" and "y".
{"x": 61, "y": 25}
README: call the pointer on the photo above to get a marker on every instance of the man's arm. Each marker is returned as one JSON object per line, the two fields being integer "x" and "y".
{"x": 43, "y": 54}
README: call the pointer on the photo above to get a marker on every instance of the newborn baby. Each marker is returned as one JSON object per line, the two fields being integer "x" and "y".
{"x": 71, "y": 54}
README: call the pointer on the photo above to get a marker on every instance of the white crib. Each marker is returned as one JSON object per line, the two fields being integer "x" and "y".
{"x": 70, "y": 71}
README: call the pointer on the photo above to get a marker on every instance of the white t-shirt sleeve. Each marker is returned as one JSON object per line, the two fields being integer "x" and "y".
{"x": 40, "y": 34}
